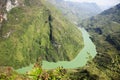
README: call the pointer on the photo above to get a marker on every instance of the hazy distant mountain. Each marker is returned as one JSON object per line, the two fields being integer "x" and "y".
{"x": 76, "y": 11}
{"x": 105, "y": 33}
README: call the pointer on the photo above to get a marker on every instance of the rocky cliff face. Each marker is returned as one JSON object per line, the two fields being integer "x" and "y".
{"x": 2, "y": 5}
{"x": 6, "y": 6}
{"x": 36, "y": 29}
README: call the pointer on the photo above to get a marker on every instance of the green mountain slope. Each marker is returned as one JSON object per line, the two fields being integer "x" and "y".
{"x": 105, "y": 33}
{"x": 34, "y": 29}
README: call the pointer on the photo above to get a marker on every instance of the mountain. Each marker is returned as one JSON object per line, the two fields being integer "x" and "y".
{"x": 105, "y": 33}
{"x": 33, "y": 28}
{"x": 75, "y": 11}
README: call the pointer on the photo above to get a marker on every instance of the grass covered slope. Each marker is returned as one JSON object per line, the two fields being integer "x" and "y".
{"x": 33, "y": 30}
{"x": 105, "y": 33}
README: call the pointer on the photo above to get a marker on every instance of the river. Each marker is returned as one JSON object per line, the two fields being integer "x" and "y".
{"x": 80, "y": 60}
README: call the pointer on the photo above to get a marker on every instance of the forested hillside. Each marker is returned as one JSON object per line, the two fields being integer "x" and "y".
{"x": 31, "y": 29}
{"x": 105, "y": 33}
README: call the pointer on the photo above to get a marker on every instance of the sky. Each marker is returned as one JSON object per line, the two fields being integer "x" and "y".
{"x": 103, "y": 4}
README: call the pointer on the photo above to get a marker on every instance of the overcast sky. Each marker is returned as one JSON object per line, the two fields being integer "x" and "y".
{"x": 102, "y": 3}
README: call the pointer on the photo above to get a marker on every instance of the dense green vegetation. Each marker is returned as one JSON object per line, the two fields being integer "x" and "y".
{"x": 105, "y": 33}
{"x": 34, "y": 30}
{"x": 37, "y": 73}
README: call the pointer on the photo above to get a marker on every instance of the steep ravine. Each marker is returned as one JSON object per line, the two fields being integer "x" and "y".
{"x": 80, "y": 60}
